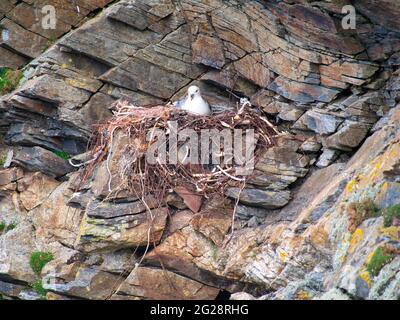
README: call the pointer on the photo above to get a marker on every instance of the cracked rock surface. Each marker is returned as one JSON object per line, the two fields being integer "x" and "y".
{"x": 335, "y": 91}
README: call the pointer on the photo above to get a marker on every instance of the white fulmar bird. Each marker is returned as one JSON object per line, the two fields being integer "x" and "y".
{"x": 194, "y": 102}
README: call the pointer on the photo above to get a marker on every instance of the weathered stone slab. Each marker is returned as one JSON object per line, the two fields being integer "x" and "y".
{"x": 194, "y": 243}
{"x": 35, "y": 188}
{"x": 108, "y": 41}
{"x": 267, "y": 199}
{"x": 327, "y": 158}
{"x": 11, "y": 60}
{"x": 227, "y": 78}
{"x": 283, "y": 161}
{"x": 232, "y": 27}
{"x": 139, "y": 14}
{"x": 271, "y": 181}
{"x": 150, "y": 283}
{"x": 29, "y": 135}
{"x": 11, "y": 289}
{"x": 315, "y": 27}
{"x": 322, "y": 123}
{"x": 385, "y": 12}
{"x": 16, "y": 247}
{"x": 208, "y": 51}
{"x": 89, "y": 283}
{"x": 302, "y": 92}
{"x": 39, "y": 159}
{"x": 288, "y": 112}
{"x": 51, "y": 89}
{"x": 7, "y": 5}
{"x": 136, "y": 74}
{"x": 30, "y": 18}
{"x": 15, "y": 37}
{"x": 349, "y": 136}
{"x": 33, "y": 105}
{"x": 10, "y": 175}
{"x": 251, "y": 67}
{"x": 97, "y": 109}
{"x": 352, "y": 72}
{"x": 291, "y": 67}
{"x": 134, "y": 97}
{"x": 173, "y": 53}
{"x": 128, "y": 231}
{"x": 108, "y": 210}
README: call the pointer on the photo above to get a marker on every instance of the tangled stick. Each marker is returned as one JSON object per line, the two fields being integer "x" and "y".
{"x": 141, "y": 178}
{"x": 135, "y": 122}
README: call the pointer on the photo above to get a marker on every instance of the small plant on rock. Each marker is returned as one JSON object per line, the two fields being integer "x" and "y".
{"x": 37, "y": 286}
{"x": 62, "y": 154}
{"x": 391, "y": 215}
{"x": 360, "y": 211}
{"x": 11, "y": 226}
{"x": 2, "y": 161}
{"x": 39, "y": 259}
{"x": 9, "y": 80}
{"x": 4, "y": 227}
{"x": 378, "y": 260}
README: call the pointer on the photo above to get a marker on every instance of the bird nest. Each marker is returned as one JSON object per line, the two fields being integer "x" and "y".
{"x": 158, "y": 177}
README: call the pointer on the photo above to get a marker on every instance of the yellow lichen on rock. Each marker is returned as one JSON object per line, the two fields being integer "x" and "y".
{"x": 355, "y": 239}
{"x": 81, "y": 84}
{"x": 303, "y": 295}
{"x": 364, "y": 275}
{"x": 350, "y": 186}
{"x": 392, "y": 232}
{"x": 375, "y": 170}
{"x": 282, "y": 256}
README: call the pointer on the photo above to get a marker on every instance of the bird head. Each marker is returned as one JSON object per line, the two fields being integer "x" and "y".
{"x": 193, "y": 91}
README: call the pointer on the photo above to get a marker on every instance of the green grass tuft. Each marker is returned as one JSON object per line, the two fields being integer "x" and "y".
{"x": 62, "y": 154}
{"x": 366, "y": 209}
{"x": 37, "y": 286}
{"x": 11, "y": 226}
{"x": 52, "y": 40}
{"x": 378, "y": 260}
{"x": 39, "y": 259}
{"x": 9, "y": 80}
{"x": 360, "y": 211}
{"x": 2, "y": 161}
{"x": 391, "y": 213}
{"x": 4, "y": 227}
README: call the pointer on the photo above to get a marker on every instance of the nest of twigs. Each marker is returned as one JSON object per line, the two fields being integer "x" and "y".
{"x": 159, "y": 178}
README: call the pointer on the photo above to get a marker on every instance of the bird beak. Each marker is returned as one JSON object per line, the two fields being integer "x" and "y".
{"x": 191, "y": 96}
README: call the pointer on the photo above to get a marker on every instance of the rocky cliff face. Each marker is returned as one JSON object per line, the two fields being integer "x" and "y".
{"x": 318, "y": 218}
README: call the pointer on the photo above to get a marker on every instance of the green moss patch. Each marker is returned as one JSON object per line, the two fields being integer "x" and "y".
{"x": 390, "y": 214}
{"x": 360, "y": 211}
{"x": 62, "y": 154}
{"x": 39, "y": 259}
{"x": 11, "y": 226}
{"x": 2, "y": 161}
{"x": 37, "y": 286}
{"x": 9, "y": 80}
{"x": 4, "y": 227}
{"x": 378, "y": 260}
